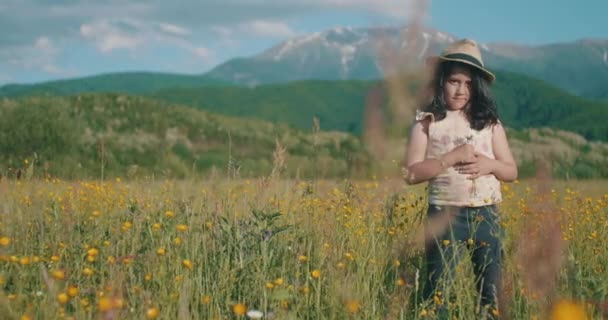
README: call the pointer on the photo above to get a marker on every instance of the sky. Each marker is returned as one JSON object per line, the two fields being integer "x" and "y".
{"x": 42, "y": 40}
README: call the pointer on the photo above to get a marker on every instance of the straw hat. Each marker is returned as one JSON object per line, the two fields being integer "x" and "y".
{"x": 465, "y": 51}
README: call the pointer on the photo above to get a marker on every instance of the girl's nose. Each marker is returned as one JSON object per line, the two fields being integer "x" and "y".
{"x": 461, "y": 89}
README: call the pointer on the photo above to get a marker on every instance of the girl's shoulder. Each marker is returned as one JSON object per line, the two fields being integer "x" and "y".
{"x": 497, "y": 126}
{"x": 421, "y": 115}
{"x": 424, "y": 119}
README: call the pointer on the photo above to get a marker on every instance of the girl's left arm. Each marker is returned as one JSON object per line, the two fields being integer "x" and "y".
{"x": 504, "y": 166}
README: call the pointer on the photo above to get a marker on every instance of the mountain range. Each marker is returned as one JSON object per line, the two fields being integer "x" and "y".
{"x": 579, "y": 67}
{"x": 344, "y": 53}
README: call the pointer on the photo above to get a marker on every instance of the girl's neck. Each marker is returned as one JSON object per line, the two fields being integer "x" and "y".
{"x": 455, "y": 113}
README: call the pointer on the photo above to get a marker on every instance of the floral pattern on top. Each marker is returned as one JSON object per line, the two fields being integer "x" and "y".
{"x": 451, "y": 187}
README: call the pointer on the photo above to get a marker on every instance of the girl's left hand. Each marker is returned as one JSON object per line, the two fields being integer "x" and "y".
{"x": 480, "y": 166}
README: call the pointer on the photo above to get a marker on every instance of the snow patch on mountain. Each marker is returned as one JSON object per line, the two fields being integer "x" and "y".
{"x": 342, "y": 30}
{"x": 295, "y": 43}
{"x": 348, "y": 53}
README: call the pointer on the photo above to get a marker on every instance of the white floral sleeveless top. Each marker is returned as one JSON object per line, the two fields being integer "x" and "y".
{"x": 451, "y": 187}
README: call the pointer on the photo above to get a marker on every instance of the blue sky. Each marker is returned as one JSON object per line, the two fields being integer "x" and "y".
{"x": 53, "y": 39}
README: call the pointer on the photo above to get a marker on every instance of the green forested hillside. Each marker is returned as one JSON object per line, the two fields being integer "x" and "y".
{"x": 114, "y": 135}
{"x": 529, "y": 103}
{"x": 522, "y": 102}
{"x": 338, "y": 104}
{"x": 76, "y": 136}
{"x": 125, "y": 82}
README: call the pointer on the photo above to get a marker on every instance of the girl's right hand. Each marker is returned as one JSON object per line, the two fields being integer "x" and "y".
{"x": 464, "y": 153}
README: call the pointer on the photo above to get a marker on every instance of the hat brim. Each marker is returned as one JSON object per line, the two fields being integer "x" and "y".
{"x": 484, "y": 72}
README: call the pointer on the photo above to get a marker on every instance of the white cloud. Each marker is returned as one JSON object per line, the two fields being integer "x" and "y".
{"x": 62, "y": 18}
{"x": 109, "y": 37}
{"x": 48, "y": 56}
{"x": 132, "y": 35}
{"x": 38, "y": 56}
{"x": 45, "y": 46}
{"x": 173, "y": 29}
{"x": 53, "y": 69}
{"x": 110, "y": 42}
{"x": 225, "y": 36}
{"x": 257, "y": 28}
{"x": 203, "y": 53}
{"x": 207, "y": 30}
{"x": 390, "y": 8}
{"x": 222, "y": 31}
{"x": 265, "y": 28}
{"x": 47, "y": 53}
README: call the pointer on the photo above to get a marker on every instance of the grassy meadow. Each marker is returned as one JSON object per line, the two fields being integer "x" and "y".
{"x": 292, "y": 249}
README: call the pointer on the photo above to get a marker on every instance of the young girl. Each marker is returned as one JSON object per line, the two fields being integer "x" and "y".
{"x": 460, "y": 147}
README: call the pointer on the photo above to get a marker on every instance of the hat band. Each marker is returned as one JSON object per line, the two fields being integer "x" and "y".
{"x": 466, "y": 57}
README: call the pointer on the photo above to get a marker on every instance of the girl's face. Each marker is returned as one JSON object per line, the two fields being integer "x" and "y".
{"x": 457, "y": 88}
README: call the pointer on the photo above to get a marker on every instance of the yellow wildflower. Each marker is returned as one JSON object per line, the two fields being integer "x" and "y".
{"x": 104, "y": 304}
{"x": 5, "y": 241}
{"x": 24, "y": 261}
{"x": 353, "y": 306}
{"x": 152, "y": 313}
{"x": 72, "y": 291}
{"x": 63, "y": 298}
{"x": 58, "y": 274}
{"x": 568, "y": 310}
{"x": 239, "y": 309}
{"x": 187, "y": 264}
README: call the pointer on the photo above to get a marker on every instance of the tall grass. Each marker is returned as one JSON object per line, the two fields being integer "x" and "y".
{"x": 213, "y": 249}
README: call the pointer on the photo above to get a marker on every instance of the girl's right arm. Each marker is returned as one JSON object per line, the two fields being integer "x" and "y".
{"x": 420, "y": 169}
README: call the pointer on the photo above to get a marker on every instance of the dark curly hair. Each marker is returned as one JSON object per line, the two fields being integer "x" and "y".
{"x": 481, "y": 112}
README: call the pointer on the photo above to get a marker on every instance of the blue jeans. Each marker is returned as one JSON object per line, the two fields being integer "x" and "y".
{"x": 475, "y": 228}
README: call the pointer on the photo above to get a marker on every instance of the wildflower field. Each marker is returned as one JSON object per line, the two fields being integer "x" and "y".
{"x": 282, "y": 249}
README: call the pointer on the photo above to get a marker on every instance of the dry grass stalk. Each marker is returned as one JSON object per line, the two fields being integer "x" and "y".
{"x": 539, "y": 256}
{"x": 279, "y": 156}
